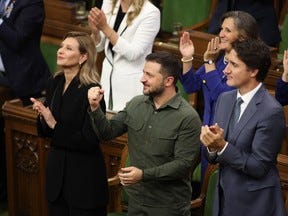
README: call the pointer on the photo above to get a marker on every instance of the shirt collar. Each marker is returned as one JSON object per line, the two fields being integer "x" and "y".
{"x": 249, "y": 95}
{"x": 174, "y": 102}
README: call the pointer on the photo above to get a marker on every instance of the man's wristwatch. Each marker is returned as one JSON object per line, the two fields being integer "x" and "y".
{"x": 208, "y": 61}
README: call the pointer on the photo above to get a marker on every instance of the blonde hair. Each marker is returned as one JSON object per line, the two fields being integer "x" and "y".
{"x": 87, "y": 72}
{"x": 137, "y": 4}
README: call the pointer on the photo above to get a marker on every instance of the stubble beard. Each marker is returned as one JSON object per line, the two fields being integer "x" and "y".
{"x": 154, "y": 91}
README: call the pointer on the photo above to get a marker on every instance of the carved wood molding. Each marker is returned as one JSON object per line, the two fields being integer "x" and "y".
{"x": 26, "y": 152}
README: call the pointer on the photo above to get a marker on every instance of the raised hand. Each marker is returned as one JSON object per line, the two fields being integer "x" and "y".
{"x": 285, "y": 66}
{"x": 186, "y": 46}
{"x": 95, "y": 95}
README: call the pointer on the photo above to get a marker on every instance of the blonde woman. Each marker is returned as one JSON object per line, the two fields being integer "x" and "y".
{"x": 76, "y": 182}
{"x": 126, "y": 30}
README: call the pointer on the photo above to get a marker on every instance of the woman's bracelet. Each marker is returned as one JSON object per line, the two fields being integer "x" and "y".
{"x": 184, "y": 60}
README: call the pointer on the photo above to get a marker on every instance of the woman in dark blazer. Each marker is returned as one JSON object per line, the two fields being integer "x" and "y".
{"x": 76, "y": 182}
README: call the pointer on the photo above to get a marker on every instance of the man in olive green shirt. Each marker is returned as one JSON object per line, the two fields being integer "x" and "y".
{"x": 163, "y": 140}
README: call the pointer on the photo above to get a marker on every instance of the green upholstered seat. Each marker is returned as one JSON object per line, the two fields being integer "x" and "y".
{"x": 185, "y": 12}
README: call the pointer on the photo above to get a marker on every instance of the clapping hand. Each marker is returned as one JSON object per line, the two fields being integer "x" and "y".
{"x": 213, "y": 50}
{"x": 96, "y": 20}
{"x": 213, "y": 137}
{"x": 44, "y": 112}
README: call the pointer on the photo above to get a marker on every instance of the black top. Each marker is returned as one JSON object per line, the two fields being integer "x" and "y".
{"x": 119, "y": 18}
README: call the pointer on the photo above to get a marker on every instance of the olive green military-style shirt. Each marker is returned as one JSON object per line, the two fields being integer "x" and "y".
{"x": 163, "y": 142}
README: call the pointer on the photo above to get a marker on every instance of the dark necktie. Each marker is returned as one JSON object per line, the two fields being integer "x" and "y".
{"x": 235, "y": 115}
{"x": 2, "y": 8}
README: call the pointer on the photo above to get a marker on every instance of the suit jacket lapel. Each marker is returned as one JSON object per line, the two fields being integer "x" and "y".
{"x": 250, "y": 110}
{"x": 10, "y": 9}
{"x": 228, "y": 109}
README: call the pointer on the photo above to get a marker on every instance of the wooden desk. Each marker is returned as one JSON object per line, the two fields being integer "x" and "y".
{"x": 61, "y": 18}
{"x": 26, "y": 159}
{"x": 26, "y": 156}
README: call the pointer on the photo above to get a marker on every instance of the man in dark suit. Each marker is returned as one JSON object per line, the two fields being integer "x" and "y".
{"x": 245, "y": 141}
{"x": 22, "y": 66}
{"x": 262, "y": 10}
{"x": 23, "y": 69}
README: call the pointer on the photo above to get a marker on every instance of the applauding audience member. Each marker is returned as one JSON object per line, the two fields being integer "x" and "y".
{"x": 126, "y": 30}
{"x": 210, "y": 78}
{"x": 262, "y": 10}
{"x": 76, "y": 182}
{"x": 247, "y": 137}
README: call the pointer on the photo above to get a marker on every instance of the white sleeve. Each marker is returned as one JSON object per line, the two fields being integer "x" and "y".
{"x": 143, "y": 38}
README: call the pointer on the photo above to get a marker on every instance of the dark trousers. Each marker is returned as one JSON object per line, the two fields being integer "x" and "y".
{"x": 61, "y": 207}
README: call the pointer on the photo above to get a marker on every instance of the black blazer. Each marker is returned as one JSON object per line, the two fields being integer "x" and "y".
{"x": 75, "y": 161}
{"x": 20, "y": 33}
{"x": 262, "y": 10}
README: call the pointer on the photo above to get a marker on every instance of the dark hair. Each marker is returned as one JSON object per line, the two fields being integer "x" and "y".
{"x": 170, "y": 65}
{"x": 255, "y": 54}
{"x": 245, "y": 23}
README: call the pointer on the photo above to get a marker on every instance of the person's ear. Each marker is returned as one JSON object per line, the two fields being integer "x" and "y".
{"x": 253, "y": 73}
{"x": 169, "y": 81}
{"x": 83, "y": 58}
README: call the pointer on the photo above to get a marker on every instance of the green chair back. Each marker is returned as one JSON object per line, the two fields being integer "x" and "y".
{"x": 196, "y": 175}
{"x": 49, "y": 52}
{"x": 209, "y": 201}
{"x": 284, "y": 35}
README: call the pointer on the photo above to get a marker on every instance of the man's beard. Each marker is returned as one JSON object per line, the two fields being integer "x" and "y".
{"x": 155, "y": 91}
